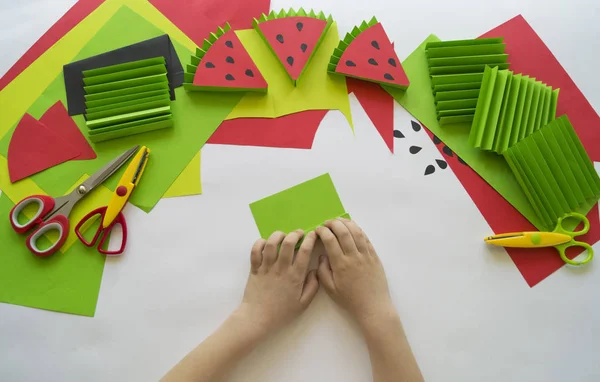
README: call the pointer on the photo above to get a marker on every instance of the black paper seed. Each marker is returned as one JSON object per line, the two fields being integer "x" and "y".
{"x": 373, "y": 62}
{"x": 249, "y": 73}
{"x": 447, "y": 151}
{"x": 441, "y": 163}
{"x": 462, "y": 161}
{"x": 229, "y": 59}
{"x": 436, "y": 140}
{"x": 209, "y": 65}
{"x": 429, "y": 169}
{"x": 290, "y": 60}
{"x": 299, "y": 26}
{"x": 388, "y": 76}
{"x": 303, "y": 47}
{"x": 350, "y": 63}
{"x": 279, "y": 38}
{"x": 229, "y": 77}
{"x": 392, "y": 62}
{"x": 398, "y": 134}
{"x": 414, "y": 149}
{"x": 416, "y": 126}
{"x": 375, "y": 44}
{"x": 229, "y": 44}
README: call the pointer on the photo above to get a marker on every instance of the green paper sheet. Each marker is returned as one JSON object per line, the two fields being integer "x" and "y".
{"x": 305, "y": 206}
{"x": 195, "y": 118}
{"x": 64, "y": 282}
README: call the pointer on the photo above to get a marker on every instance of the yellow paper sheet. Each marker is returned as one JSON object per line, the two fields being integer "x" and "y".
{"x": 188, "y": 182}
{"x": 316, "y": 90}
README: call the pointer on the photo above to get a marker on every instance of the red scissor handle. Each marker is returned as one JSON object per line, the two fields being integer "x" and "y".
{"x": 45, "y": 205}
{"x": 59, "y": 223}
{"x": 102, "y": 234}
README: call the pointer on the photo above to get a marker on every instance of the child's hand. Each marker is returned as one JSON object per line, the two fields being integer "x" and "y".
{"x": 279, "y": 287}
{"x": 351, "y": 272}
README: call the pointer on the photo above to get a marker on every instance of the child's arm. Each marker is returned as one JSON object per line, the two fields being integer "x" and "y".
{"x": 353, "y": 276}
{"x": 279, "y": 289}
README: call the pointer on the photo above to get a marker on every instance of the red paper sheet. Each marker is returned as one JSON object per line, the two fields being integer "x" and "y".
{"x": 58, "y": 120}
{"x": 197, "y": 19}
{"x": 34, "y": 148}
{"x": 295, "y": 131}
{"x": 78, "y": 12}
{"x": 378, "y": 105}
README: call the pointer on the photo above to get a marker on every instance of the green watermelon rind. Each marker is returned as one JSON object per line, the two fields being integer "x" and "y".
{"x": 293, "y": 13}
{"x": 196, "y": 59}
{"x": 343, "y": 45}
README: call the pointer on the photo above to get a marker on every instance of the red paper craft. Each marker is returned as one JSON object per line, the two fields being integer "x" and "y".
{"x": 197, "y": 19}
{"x": 378, "y": 105}
{"x": 58, "y": 120}
{"x": 34, "y": 148}
{"x": 294, "y": 131}
{"x": 227, "y": 64}
{"x": 80, "y": 10}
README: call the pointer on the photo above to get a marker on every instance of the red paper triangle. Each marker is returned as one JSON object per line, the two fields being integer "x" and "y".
{"x": 34, "y": 148}
{"x": 58, "y": 120}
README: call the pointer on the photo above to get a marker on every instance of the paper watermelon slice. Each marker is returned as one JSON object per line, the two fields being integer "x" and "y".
{"x": 366, "y": 53}
{"x": 294, "y": 37}
{"x": 223, "y": 64}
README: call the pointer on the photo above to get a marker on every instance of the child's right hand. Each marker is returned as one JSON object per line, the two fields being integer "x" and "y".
{"x": 352, "y": 273}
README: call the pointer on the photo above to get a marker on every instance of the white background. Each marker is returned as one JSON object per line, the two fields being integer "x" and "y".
{"x": 467, "y": 311}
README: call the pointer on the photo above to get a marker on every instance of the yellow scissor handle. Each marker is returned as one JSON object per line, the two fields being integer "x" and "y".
{"x": 576, "y": 217}
{"x": 562, "y": 248}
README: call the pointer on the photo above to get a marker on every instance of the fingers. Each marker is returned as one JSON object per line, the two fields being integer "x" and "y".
{"x": 343, "y": 235}
{"x": 256, "y": 255}
{"x": 286, "y": 252}
{"x": 306, "y": 248}
{"x": 311, "y": 287}
{"x": 332, "y": 246}
{"x": 325, "y": 275}
{"x": 360, "y": 239}
{"x": 272, "y": 247}
{"x": 371, "y": 248}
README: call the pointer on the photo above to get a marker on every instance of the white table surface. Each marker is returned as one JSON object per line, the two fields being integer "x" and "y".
{"x": 467, "y": 311}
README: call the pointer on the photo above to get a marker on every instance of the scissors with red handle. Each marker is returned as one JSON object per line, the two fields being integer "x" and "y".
{"x": 53, "y": 213}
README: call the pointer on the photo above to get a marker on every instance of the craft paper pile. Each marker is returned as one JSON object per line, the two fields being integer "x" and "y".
{"x": 223, "y": 64}
{"x": 366, "y": 53}
{"x": 456, "y": 70}
{"x": 304, "y": 206}
{"x": 555, "y": 172}
{"x": 509, "y": 108}
{"x": 293, "y": 37}
{"x": 127, "y": 99}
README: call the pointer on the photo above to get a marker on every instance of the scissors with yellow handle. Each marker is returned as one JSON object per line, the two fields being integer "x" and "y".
{"x": 560, "y": 238}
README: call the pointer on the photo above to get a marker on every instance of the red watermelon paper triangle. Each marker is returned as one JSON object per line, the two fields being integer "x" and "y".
{"x": 293, "y": 37}
{"x": 34, "y": 148}
{"x": 366, "y": 53}
{"x": 223, "y": 64}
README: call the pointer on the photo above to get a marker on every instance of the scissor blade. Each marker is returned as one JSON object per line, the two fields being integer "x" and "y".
{"x": 140, "y": 167}
{"x": 110, "y": 168}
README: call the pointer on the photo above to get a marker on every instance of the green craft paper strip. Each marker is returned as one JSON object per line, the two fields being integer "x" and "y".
{"x": 457, "y": 104}
{"x": 573, "y": 158}
{"x": 115, "y": 108}
{"x": 535, "y": 102}
{"x": 493, "y": 116}
{"x": 584, "y": 160}
{"x": 481, "y": 113}
{"x": 119, "y": 133}
{"x": 545, "y": 114}
{"x": 455, "y": 119}
{"x": 157, "y": 78}
{"x": 127, "y": 91}
{"x": 459, "y": 86}
{"x": 470, "y": 42}
{"x": 472, "y": 50}
{"x": 556, "y": 170}
{"x": 130, "y": 124}
{"x": 125, "y": 66}
{"x": 129, "y": 97}
{"x": 503, "y": 129}
{"x": 122, "y": 118}
{"x": 191, "y": 86}
{"x": 492, "y": 59}
{"x": 519, "y": 110}
{"x": 527, "y": 108}
{"x": 304, "y": 206}
{"x": 126, "y": 75}
{"x": 507, "y": 123}
{"x": 456, "y": 78}
{"x": 64, "y": 282}
{"x": 451, "y": 113}
{"x": 195, "y": 116}
{"x": 457, "y": 94}
{"x": 553, "y": 104}
{"x": 437, "y": 70}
